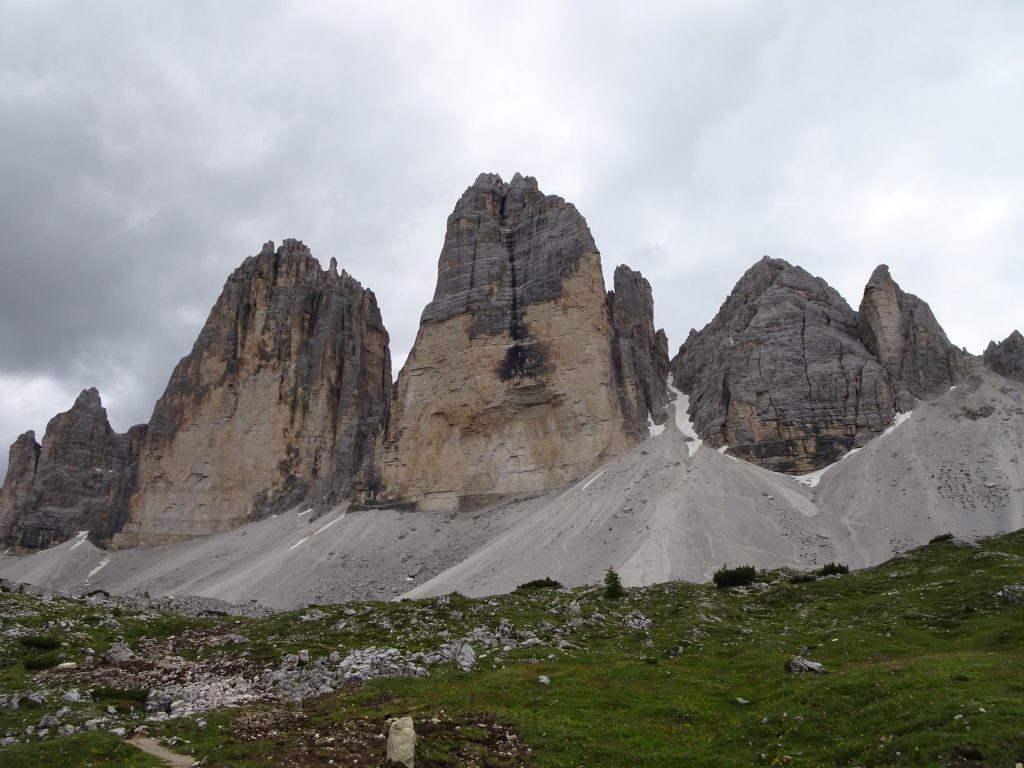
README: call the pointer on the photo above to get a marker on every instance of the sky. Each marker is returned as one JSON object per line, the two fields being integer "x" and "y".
{"x": 147, "y": 148}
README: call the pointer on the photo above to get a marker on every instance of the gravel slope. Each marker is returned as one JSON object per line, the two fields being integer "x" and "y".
{"x": 654, "y": 513}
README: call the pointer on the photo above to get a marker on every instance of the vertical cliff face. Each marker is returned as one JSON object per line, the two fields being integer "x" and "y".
{"x": 1007, "y": 357}
{"x": 903, "y": 334}
{"x": 79, "y": 479}
{"x": 280, "y": 401}
{"x": 511, "y": 386}
{"x": 780, "y": 375}
{"x": 640, "y": 354}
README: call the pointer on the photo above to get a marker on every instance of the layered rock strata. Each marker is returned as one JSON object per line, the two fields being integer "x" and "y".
{"x": 79, "y": 479}
{"x": 515, "y": 382}
{"x": 902, "y": 333}
{"x": 1007, "y": 357}
{"x": 279, "y": 402}
{"x": 788, "y": 376}
{"x": 779, "y": 374}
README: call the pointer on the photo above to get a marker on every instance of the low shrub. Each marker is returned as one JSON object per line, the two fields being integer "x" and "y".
{"x": 802, "y": 578}
{"x": 734, "y": 577}
{"x": 546, "y": 583}
{"x": 40, "y": 661}
{"x": 942, "y": 537}
{"x": 833, "y": 569}
{"x": 106, "y": 693}
{"x": 40, "y": 642}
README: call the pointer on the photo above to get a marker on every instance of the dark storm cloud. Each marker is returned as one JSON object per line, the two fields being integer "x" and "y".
{"x": 147, "y": 148}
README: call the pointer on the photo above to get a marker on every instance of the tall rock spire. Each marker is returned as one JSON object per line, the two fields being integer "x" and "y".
{"x": 280, "y": 401}
{"x": 513, "y": 384}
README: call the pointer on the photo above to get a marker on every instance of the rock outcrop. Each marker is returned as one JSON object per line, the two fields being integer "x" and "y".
{"x": 279, "y": 402}
{"x": 640, "y": 354}
{"x": 512, "y": 385}
{"x": 1007, "y": 357}
{"x": 780, "y": 375}
{"x": 791, "y": 378}
{"x": 902, "y": 333}
{"x": 79, "y": 479}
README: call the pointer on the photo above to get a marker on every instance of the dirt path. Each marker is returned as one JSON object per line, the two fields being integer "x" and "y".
{"x": 155, "y": 748}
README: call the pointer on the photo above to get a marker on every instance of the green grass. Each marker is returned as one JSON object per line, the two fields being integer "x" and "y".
{"x": 923, "y": 658}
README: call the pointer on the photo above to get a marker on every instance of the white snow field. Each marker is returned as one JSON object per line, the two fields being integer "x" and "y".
{"x": 670, "y": 508}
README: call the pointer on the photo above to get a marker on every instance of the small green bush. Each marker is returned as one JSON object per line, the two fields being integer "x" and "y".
{"x": 40, "y": 642}
{"x": 40, "y": 661}
{"x": 833, "y": 569}
{"x": 802, "y": 578}
{"x": 546, "y": 583}
{"x": 942, "y": 537}
{"x": 613, "y": 588}
{"x": 106, "y": 693}
{"x": 734, "y": 577}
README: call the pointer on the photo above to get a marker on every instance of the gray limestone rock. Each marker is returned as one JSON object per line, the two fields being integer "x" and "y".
{"x": 78, "y": 479}
{"x": 507, "y": 246}
{"x": 401, "y": 745}
{"x": 902, "y": 333}
{"x": 800, "y": 664}
{"x": 639, "y": 353}
{"x": 780, "y": 374}
{"x": 1005, "y": 358}
{"x": 279, "y": 402}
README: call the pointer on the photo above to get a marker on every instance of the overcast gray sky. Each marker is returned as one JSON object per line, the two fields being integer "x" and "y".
{"x": 147, "y": 148}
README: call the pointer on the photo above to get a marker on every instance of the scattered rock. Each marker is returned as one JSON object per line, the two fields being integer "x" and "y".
{"x": 401, "y": 745}
{"x": 544, "y": 680}
{"x": 800, "y": 664}
{"x": 636, "y": 620}
{"x": 118, "y": 653}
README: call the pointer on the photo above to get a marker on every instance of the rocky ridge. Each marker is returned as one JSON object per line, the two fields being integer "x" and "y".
{"x": 1007, "y": 357}
{"x": 788, "y": 376}
{"x": 80, "y": 478}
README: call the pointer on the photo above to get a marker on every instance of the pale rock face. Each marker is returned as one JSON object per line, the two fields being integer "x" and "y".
{"x": 79, "y": 479}
{"x": 280, "y": 401}
{"x": 903, "y": 334}
{"x": 780, "y": 375}
{"x": 510, "y": 387}
{"x": 401, "y": 747}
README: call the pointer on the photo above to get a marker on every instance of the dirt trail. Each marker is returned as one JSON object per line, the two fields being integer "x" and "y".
{"x": 155, "y": 748}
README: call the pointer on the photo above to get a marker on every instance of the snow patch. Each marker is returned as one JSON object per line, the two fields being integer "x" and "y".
{"x": 811, "y": 479}
{"x": 298, "y": 543}
{"x": 323, "y": 528}
{"x": 900, "y": 418}
{"x": 305, "y": 513}
{"x": 592, "y": 480}
{"x": 98, "y": 568}
{"x": 683, "y": 423}
{"x": 79, "y": 539}
{"x": 654, "y": 429}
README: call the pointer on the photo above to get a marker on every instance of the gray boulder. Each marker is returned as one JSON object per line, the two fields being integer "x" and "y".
{"x": 401, "y": 748}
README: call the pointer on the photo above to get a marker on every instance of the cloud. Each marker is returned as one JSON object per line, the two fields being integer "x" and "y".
{"x": 147, "y": 149}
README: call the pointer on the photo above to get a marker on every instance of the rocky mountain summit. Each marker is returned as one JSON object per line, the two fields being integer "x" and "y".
{"x": 1007, "y": 357}
{"x": 80, "y": 478}
{"x": 524, "y": 374}
{"x": 280, "y": 401}
{"x": 788, "y": 376}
